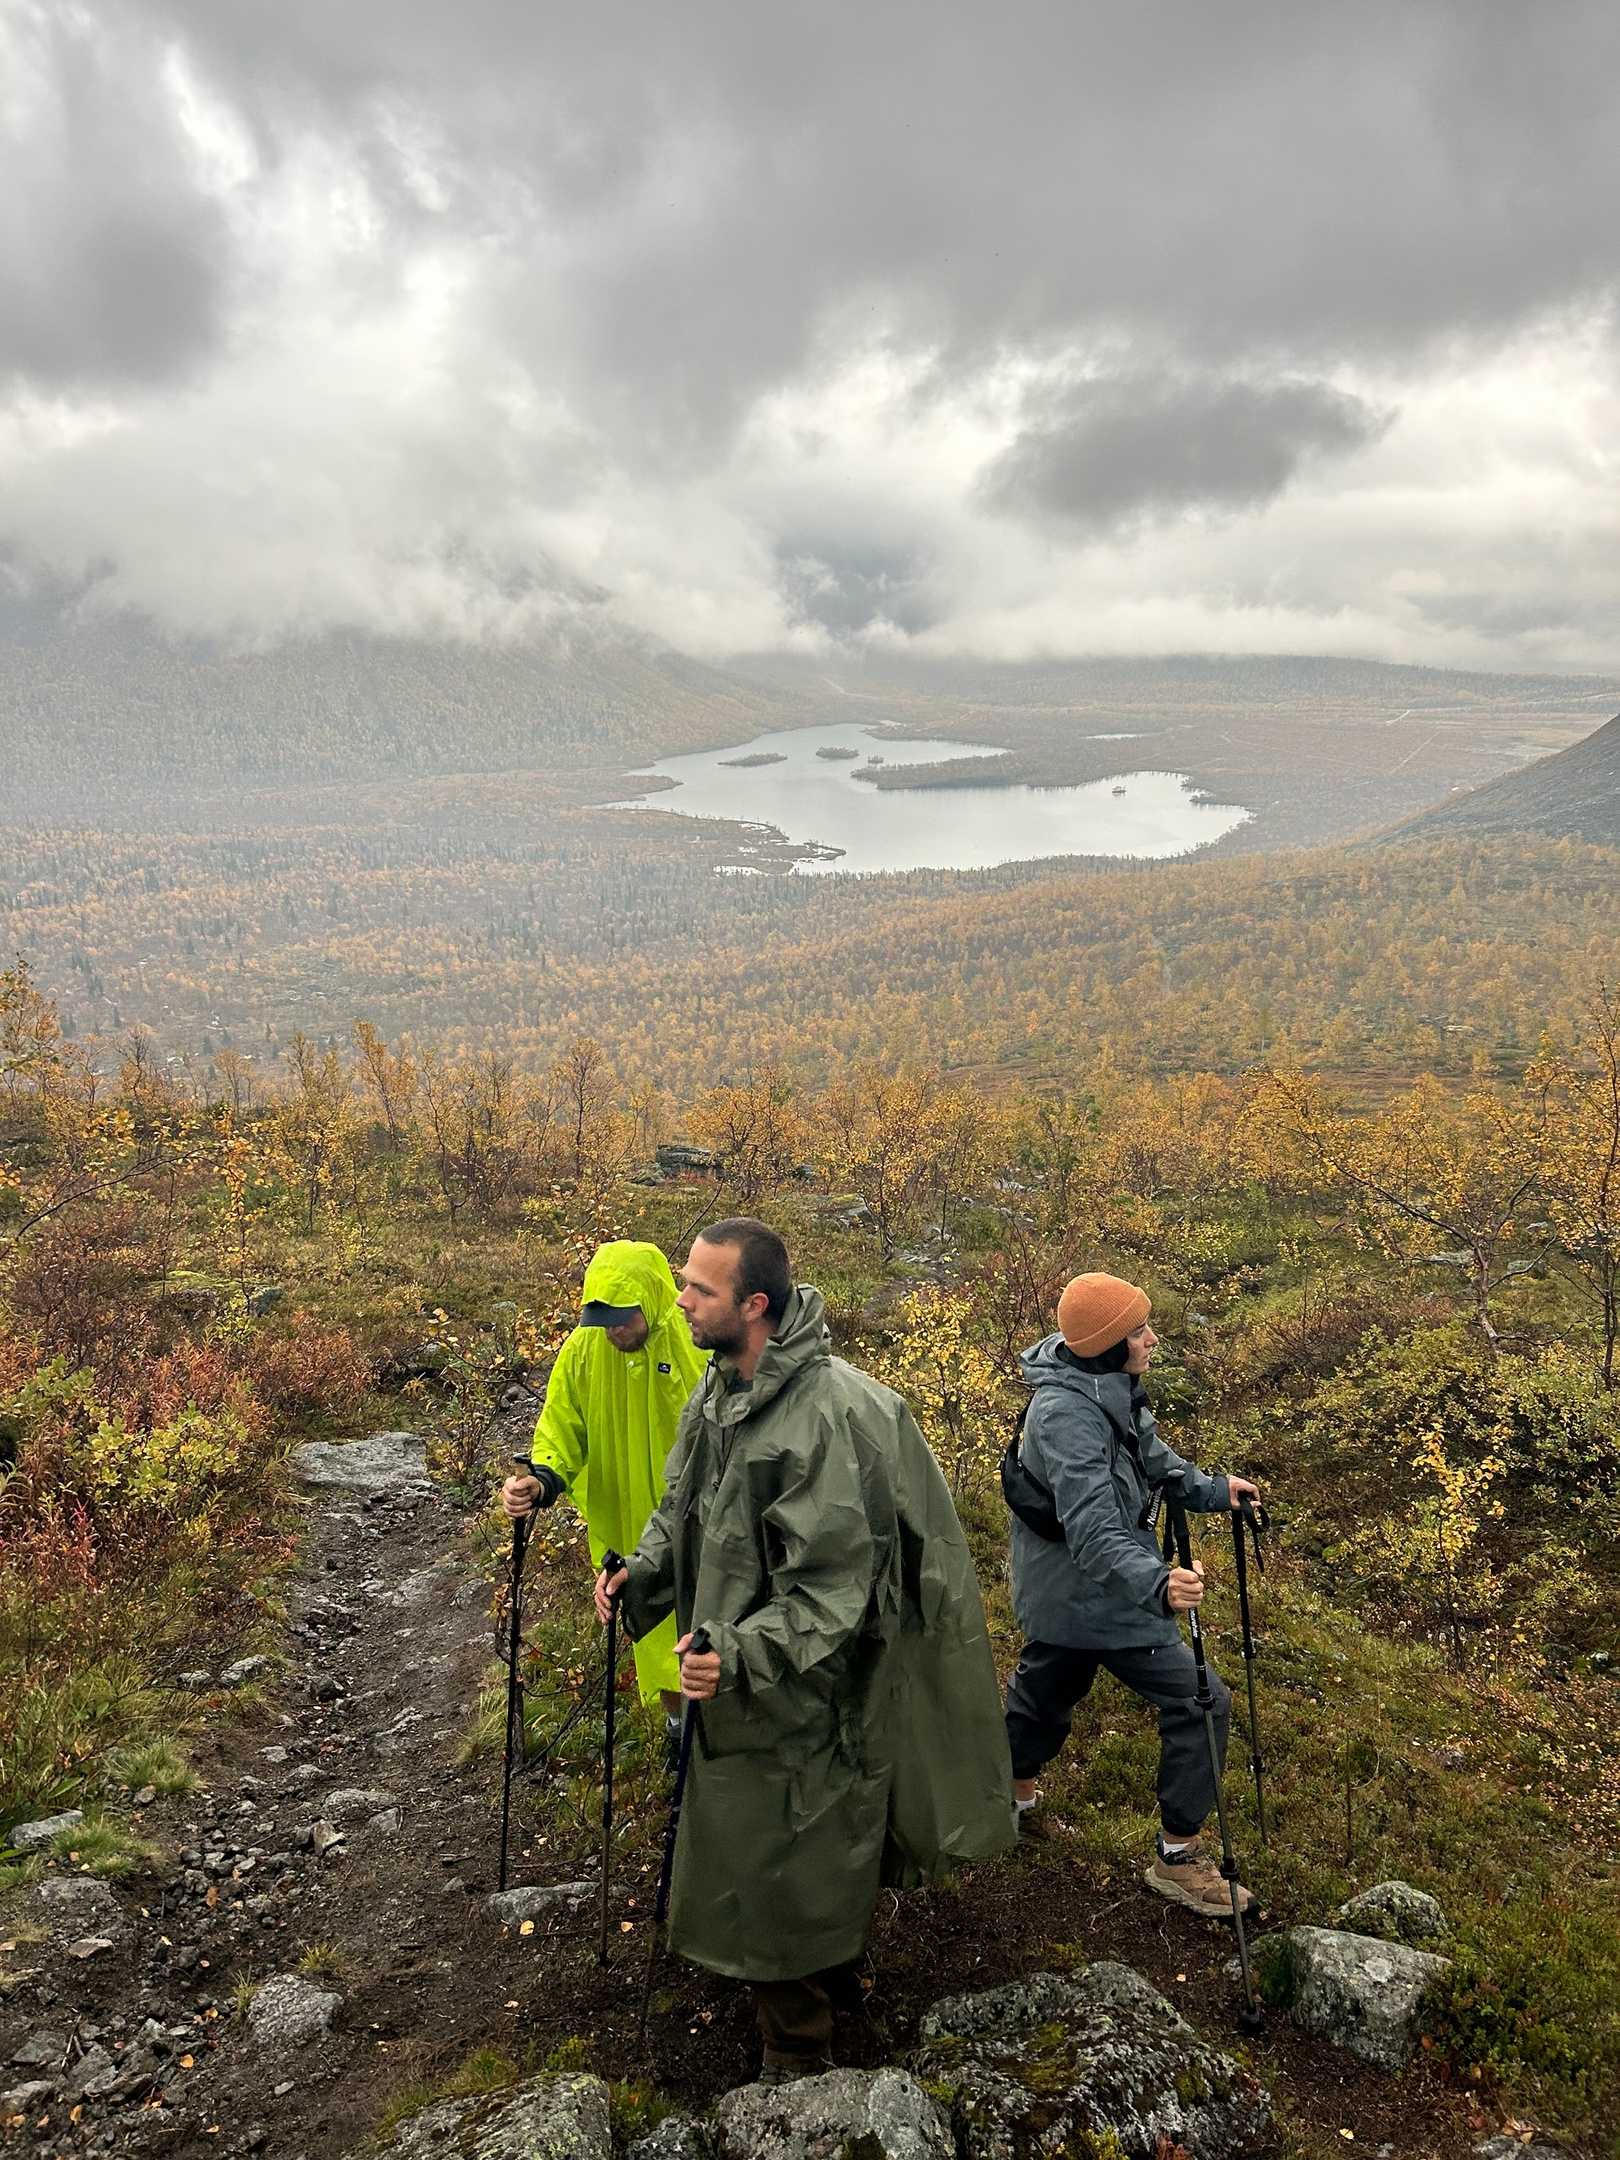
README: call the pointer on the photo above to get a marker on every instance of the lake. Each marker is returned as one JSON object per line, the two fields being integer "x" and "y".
{"x": 784, "y": 781}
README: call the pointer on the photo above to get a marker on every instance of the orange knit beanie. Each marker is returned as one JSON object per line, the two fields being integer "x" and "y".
{"x": 1097, "y": 1311}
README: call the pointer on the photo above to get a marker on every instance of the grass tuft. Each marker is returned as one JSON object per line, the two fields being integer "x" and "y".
{"x": 322, "y": 1961}
{"x": 160, "y": 1763}
{"x": 102, "y": 1845}
{"x": 484, "y": 2070}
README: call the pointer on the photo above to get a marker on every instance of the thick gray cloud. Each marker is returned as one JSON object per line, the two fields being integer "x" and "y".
{"x": 111, "y": 257}
{"x": 1123, "y": 446}
{"x": 762, "y": 323}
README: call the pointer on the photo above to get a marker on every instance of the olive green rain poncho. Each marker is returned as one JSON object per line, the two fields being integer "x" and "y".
{"x": 610, "y": 1417}
{"x": 857, "y": 1738}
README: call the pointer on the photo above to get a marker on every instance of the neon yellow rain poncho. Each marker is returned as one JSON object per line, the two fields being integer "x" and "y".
{"x": 610, "y": 1416}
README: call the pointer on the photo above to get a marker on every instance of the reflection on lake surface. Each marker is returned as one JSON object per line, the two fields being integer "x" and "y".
{"x": 781, "y": 780}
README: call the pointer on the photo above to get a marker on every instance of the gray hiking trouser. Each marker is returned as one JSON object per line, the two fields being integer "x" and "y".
{"x": 1050, "y": 1680}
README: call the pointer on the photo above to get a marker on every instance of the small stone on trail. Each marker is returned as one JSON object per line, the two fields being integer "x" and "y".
{"x": 880, "y": 2114}
{"x": 283, "y": 2089}
{"x": 41, "y": 2050}
{"x": 88, "y": 1946}
{"x": 23, "y": 2099}
{"x": 287, "y": 2011}
{"x": 92, "y": 2064}
{"x": 322, "y": 1837}
{"x": 30, "y": 1836}
{"x": 1505, "y": 2146}
{"x": 528, "y": 1903}
{"x": 246, "y": 1668}
{"x": 351, "y": 1800}
{"x": 273, "y": 1754}
{"x": 146, "y": 1795}
{"x": 385, "y": 1823}
{"x": 196, "y": 1681}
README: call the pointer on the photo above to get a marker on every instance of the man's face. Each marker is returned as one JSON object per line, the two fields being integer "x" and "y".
{"x": 1140, "y": 1345}
{"x": 633, "y": 1334}
{"x": 709, "y": 1298}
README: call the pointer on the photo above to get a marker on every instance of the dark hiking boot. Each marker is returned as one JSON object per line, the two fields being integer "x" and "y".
{"x": 1192, "y": 1877}
{"x": 778, "y": 2069}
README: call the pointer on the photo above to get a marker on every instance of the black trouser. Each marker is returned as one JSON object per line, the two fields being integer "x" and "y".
{"x": 796, "y": 2016}
{"x": 1050, "y": 1680}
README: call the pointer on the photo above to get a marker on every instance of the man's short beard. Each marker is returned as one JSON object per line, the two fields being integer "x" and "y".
{"x": 724, "y": 1338}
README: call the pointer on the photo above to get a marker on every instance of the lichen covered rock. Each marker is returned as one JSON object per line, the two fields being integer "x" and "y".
{"x": 1361, "y": 1994}
{"x": 1094, "y": 2062}
{"x": 1394, "y": 1911}
{"x": 841, "y": 2115}
{"x": 548, "y": 2118}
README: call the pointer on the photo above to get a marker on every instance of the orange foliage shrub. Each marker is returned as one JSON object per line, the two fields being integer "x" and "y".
{"x": 311, "y": 1371}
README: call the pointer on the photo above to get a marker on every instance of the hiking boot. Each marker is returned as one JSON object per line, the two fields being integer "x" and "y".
{"x": 1193, "y": 1878}
{"x": 1039, "y": 1825}
{"x": 789, "y": 2069}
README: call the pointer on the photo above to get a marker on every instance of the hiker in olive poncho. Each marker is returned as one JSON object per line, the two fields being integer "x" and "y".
{"x": 849, "y": 1733}
{"x": 612, "y": 1402}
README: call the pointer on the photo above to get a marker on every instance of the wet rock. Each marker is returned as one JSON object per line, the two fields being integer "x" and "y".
{"x": 198, "y": 1682}
{"x": 89, "y": 1946}
{"x": 41, "y": 2051}
{"x": 247, "y": 1668}
{"x": 321, "y": 1687}
{"x": 35, "y": 1836}
{"x": 77, "y": 1906}
{"x": 1504, "y": 2146}
{"x": 1068, "y": 2061}
{"x": 353, "y": 1800}
{"x": 879, "y": 2114}
{"x": 1355, "y": 1992}
{"x": 1395, "y": 1911}
{"x": 289, "y": 2011}
{"x": 677, "y": 2137}
{"x": 385, "y": 1823}
{"x": 549, "y": 2118}
{"x": 322, "y": 1838}
{"x": 511, "y": 1907}
{"x": 302, "y": 1778}
{"x": 382, "y": 1462}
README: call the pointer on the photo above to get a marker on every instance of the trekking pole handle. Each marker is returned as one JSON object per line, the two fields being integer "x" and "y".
{"x": 700, "y": 1645}
{"x": 1176, "y": 1508}
{"x": 611, "y": 1563}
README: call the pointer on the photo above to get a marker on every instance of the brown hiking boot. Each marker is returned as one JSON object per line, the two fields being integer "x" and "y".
{"x": 1039, "y": 1825}
{"x": 1193, "y": 1878}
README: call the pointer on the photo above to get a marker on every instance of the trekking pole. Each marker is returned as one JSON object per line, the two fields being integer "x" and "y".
{"x": 611, "y": 1564}
{"x": 1249, "y": 2016}
{"x": 699, "y": 1646}
{"x": 516, "y": 1737}
{"x": 1246, "y": 1516}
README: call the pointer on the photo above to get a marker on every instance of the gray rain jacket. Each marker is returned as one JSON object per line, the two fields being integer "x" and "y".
{"x": 1103, "y": 1588}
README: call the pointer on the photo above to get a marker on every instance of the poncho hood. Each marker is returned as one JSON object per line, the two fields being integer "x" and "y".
{"x": 626, "y": 1272}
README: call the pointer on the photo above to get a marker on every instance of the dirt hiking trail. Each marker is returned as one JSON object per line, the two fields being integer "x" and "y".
{"x": 338, "y": 1830}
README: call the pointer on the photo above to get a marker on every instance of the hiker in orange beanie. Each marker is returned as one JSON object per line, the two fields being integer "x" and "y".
{"x": 1089, "y": 1586}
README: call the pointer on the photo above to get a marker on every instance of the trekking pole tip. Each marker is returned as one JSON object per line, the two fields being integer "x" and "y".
{"x": 1251, "y": 2019}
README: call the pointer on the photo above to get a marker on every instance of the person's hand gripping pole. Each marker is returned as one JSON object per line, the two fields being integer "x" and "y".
{"x": 1249, "y": 2017}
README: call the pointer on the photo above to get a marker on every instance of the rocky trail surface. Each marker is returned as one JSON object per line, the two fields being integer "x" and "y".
{"x": 318, "y": 1935}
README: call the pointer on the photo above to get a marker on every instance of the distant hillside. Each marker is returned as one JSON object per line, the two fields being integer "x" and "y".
{"x": 1572, "y": 795}
{"x": 100, "y": 705}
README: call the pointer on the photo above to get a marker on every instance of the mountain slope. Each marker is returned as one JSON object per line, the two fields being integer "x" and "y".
{"x": 1573, "y": 794}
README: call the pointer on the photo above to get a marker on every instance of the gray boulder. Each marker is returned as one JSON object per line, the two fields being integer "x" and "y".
{"x": 93, "y": 2065}
{"x": 35, "y": 1836}
{"x": 247, "y": 1668}
{"x": 352, "y": 1800}
{"x": 289, "y": 2011}
{"x": 1358, "y": 1993}
{"x": 548, "y": 2118}
{"x": 1068, "y": 2063}
{"x": 1395, "y": 1911}
{"x": 677, "y": 2137}
{"x": 73, "y": 1904}
{"x": 382, "y": 1462}
{"x": 1505, "y": 2146}
{"x": 513, "y": 1907}
{"x": 877, "y": 2114}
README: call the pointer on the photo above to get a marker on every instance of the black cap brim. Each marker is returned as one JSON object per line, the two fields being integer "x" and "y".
{"x": 596, "y": 1314}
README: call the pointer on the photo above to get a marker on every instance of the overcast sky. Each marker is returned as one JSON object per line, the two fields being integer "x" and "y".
{"x": 1015, "y": 330}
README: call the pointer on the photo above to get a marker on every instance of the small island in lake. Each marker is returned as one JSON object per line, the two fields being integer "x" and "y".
{"x": 760, "y": 757}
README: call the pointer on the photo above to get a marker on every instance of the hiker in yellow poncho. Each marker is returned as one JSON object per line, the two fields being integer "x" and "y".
{"x": 615, "y": 1394}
